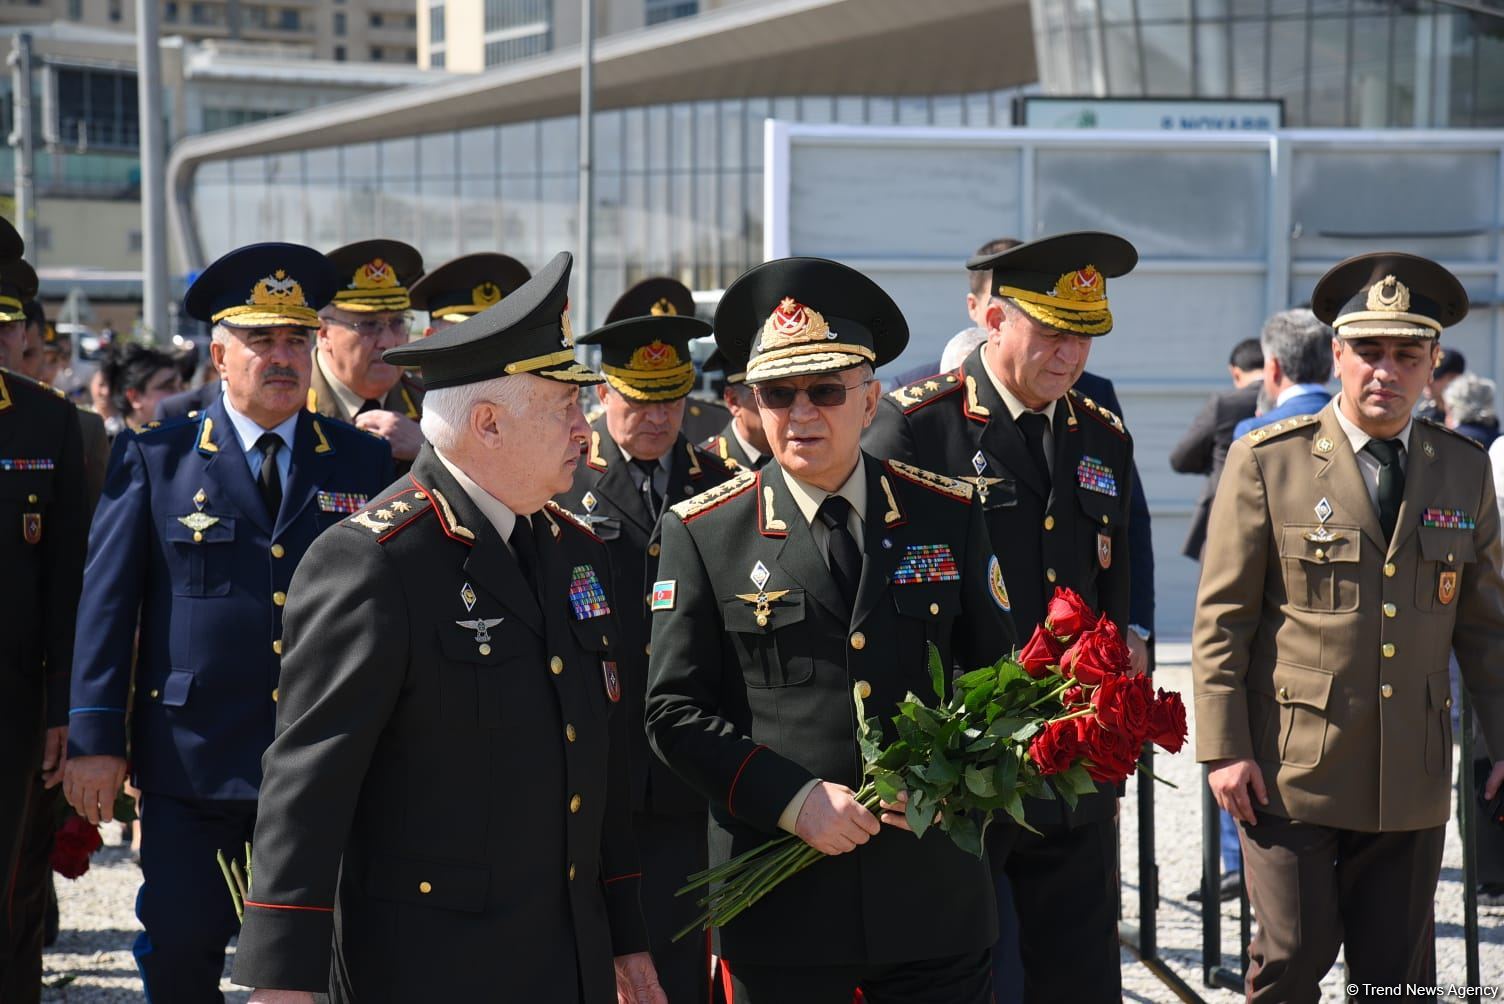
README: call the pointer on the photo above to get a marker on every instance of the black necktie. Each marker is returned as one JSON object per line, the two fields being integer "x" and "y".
{"x": 269, "y": 481}
{"x": 1391, "y": 481}
{"x": 1032, "y": 425}
{"x": 762, "y": 459}
{"x": 650, "y": 496}
{"x": 369, "y": 404}
{"x": 526, "y": 550}
{"x": 845, "y": 556}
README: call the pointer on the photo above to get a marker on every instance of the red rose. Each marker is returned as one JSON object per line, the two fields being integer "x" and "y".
{"x": 1067, "y": 614}
{"x": 1041, "y": 655}
{"x": 1073, "y": 696}
{"x": 1167, "y": 722}
{"x": 1055, "y": 747}
{"x": 1110, "y": 756}
{"x": 1124, "y": 705}
{"x": 74, "y": 842}
{"x": 1100, "y": 652}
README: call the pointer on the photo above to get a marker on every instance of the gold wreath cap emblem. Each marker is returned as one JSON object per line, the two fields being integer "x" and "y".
{"x": 1389, "y": 294}
{"x": 375, "y": 274}
{"x": 277, "y": 290}
{"x": 791, "y": 324}
{"x": 1084, "y": 284}
{"x": 664, "y": 308}
{"x": 655, "y": 355}
{"x": 486, "y": 294}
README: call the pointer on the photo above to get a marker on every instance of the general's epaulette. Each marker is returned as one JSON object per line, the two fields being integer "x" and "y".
{"x": 707, "y": 500}
{"x": 1469, "y": 440}
{"x": 1284, "y": 425}
{"x": 720, "y": 448}
{"x": 392, "y": 514}
{"x": 562, "y": 515}
{"x": 929, "y": 479}
{"x": 701, "y": 456}
{"x": 1098, "y": 412}
{"x": 922, "y": 392}
{"x": 159, "y": 426}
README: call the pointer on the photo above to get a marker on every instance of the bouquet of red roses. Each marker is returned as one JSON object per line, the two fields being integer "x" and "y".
{"x": 1048, "y": 721}
{"x": 72, "y": 846}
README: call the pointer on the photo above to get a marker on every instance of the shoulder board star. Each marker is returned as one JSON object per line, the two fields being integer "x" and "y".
{"x": 400, "y": 506}
{"x": 565, "y": 515}
{"x": 923, "y": 391}
{"x": 929, "y": 479}
{"x": 1103, "y": 415}
{"x": 391, "y": 514}
{"x": 707, "y": 500}
{"x": 1280, "y": 428}
{"x": 385, "y": 514}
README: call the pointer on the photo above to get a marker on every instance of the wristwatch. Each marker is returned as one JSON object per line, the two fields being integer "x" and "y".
{"x": 1142, "y": 632}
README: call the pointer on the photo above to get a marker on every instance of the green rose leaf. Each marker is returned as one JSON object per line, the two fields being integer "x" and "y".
{"x": 937, "y": 673}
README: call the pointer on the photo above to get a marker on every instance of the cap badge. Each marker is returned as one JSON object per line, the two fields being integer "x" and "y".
{"x": 277, "y": 290}
{"x": 1084, "y": 284}
{"x": 663, "y": 308}
{"x": 1389, "y": 294}
{"x": 374, "y": 274}
{"x": 791, "y": 324}
{"x": 486, "y": 294}
{"x": 654, "y": 356}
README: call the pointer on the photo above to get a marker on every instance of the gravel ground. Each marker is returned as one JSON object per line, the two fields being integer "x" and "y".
{"x": 92, "y": 964}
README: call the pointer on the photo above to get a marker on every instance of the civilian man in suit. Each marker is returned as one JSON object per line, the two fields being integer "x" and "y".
{"x": 1350, "y": 553}
{"x": 195, "y": 540}
{"x": 780, "y": 591}
{"x": 1203, "y": 448}
{"x": 456, "y": 637}
{"x": 368, "y": 315}
{"x": 1053, "y": 471}
{"x": 1297, "y": 367}
{"x": 44, "y": 514}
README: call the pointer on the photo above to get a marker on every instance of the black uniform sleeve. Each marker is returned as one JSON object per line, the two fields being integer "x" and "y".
{"x": 347, "y": 641}
{"x": 889, "y": 436}
{"x": 1140, "y": 555}
{"x": 689, "y": 681}
{"x": 987, "y": 629}
{"x": 64, "y": 543}
{"x": 1117, "y": 582}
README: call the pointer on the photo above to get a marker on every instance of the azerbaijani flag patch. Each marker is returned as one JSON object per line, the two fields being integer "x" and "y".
{"x": 663, "y": 594}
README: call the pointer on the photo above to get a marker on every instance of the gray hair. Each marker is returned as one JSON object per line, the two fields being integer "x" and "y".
{"x": 1470, "y": 398}
{"x": 1301, "y": 343}
{"x": 960, "y": 346}
{"x": 446, "y": 410}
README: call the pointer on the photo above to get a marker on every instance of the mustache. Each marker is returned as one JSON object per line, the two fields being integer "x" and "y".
{"x": 282, "y": 372}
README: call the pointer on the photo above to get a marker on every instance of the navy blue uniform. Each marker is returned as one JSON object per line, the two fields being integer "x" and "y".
{"x": 182, "y": 545}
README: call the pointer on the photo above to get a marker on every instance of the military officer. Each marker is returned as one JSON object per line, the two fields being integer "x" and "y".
{"x": 462, "y": 287}
{"x": 201, "y": 525}
{"x": 456, "y": 633}
{"x": 96, "y": 441}
{"x": 741, "y": 444}
{"x": 368, "y": 315}
{"x": 661, "y": 296}
{"x": 1053, "y": 472}
{"x": 779, "y": 592}
{"x": 43, "y": 526}
{"x": 638, "y": 462}
{"x": 1348, "y": 553}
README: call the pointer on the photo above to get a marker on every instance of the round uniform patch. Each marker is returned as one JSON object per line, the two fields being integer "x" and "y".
{"x": 995, "y": 583}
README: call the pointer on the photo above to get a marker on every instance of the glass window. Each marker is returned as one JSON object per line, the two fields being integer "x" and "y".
{"x": 399, "y": 158}
{"x": 502, "y": 14}
{"x": 1250, "y": 55}
{"x": 658, "y": 11}
{"x": 340, "y": 23}
{"x": 435, "y": 24}
{"x": 1167, "y": 63}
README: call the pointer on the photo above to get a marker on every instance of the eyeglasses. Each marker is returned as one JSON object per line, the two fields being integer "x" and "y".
{"x": 375, "y": 328}
{"x": 778, "y": 396}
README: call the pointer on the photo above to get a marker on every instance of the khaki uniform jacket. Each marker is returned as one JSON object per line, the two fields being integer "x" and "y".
{"x": 1321, "y": 653}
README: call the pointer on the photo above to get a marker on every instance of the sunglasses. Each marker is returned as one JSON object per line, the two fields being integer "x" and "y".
{"x": 374, "y": 329}
{"x": 778, "y": 396}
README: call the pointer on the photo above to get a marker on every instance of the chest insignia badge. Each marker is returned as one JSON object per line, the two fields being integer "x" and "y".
{"x": 1324, "y": 510}
{"x": 587, "y": 598}
{"x": 198, "y": 522}
{"x": 482, "y": 629}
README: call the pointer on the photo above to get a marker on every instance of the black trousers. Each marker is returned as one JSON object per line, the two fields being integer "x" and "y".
{"x": 1063, "y": 880}
{"x": 30, "y": 896}
{"x": 955, "y": 979}
{"x": 20, "y": 767}
{"x": 184, "y": 904}
{"x": 670, "y": 848}
{"x": 1316, "y": 888}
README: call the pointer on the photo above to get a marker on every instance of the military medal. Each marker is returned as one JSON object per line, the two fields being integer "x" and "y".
{"x": 1448, "y": 519}
{"x": 612, "y": 680}
{"x": 198, "y": 522}
{"x": 586, "y": 596}
{"x": 926, "y": 563}
{"x": 1095, "y": 476}
{"x": 349, "y": 502}
{"x": 482, "y": 629}
{"x": 31, "y": 527}
{"x": 761, "y": 600}
{"x": 1104, "y": 549}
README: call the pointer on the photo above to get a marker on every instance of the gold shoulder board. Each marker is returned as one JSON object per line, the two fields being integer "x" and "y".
{"x": 712, "y": 497}
{"x": 929, "y": 479}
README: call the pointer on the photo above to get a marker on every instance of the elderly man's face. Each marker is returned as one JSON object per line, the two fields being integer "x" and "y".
{"x": 644, "y": 429}
{"x": 351, "y": 344}
{"x": 1036, "y": 363}
{"x": 12, "y": 344}
{"x": 1382, "y": 378}
{"x": 265, "y": 371}
{"x": 742, "y": 404}
{"x": 819, "y": 444}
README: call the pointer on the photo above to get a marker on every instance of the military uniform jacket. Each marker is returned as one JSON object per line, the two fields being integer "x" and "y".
{"x": 1321, "y": 652}
{"x": 443, "y": 807}
{"x": 726, "y": 448}
{"x": 405, "y": 399}
{"x": 702, "y": 416}
{"x": 182, "y": 544}
{"x": 748, "y": 708}
{"x": 44, "y": 521}
{"x": 606, "y": 497}
{"x": 1072, "y": 532}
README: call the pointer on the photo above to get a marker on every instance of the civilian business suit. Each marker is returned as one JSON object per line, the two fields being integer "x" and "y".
{"x": 1203, "y": 450}
{"x": 445, "y": 805}
{"x": 748, "y": 713}
{"x": 669, "y": 815}
{"x": 1320, "y": 651}
{"x": 208, "y": 601}
{"x": 1301, "y": 404}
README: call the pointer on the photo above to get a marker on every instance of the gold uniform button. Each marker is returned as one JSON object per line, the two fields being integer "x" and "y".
{"x": 279, "y": 598}
{"x": 858, "y": 640}
{"x": 575, "y": 803}
{"x": 277, "y": 646}
{"x": 155, "y": 693}
{"x": 647, "y": 649}
{"x": 425, "y": 887}
{"x": 863, "y": 689}
{"x": 1389, "y": 570}
{"x": 1104, "y": 520}
{"x": 569, "y": 733}
{"x": 420, "y": 496}
{"x": 1284, "y": 693}
{"x": 274, "y": 694}
{"x": 1049, "y": 574}
{"x": 1447, "y": 703}
{"x": 485, "y": 649}
{"x": 1049, "y": 522}
{"x": 556, "y": 665}
{"x": 33, "y": 500}
{"x": 1388, "y": 651}
{"x": 1390, "y": 610}
{"x": 1450, "y": 557}
{"x": 571, "y": 873}
{"x": 934, "y": 608}
{"x": 653, "y": 550}
{"x": 1320, "y": 554}
{"x": 278, "y": 550}
{"x": 1387, "y": 690}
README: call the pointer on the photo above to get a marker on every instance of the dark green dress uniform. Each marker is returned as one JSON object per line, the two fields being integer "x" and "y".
{"x": 725, "y": 444}
{"x": 444, "y": 811}
{"x": 756, "y": 652}
{"x": 1070, "y": 529}
{"x": 647, "y": 359}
